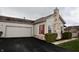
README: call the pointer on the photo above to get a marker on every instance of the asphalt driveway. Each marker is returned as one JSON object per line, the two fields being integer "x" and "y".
{"x": 28, "y": 44}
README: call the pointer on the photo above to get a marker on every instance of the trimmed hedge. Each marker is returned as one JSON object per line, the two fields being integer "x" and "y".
{"x": 67, "y": 35}
{"x": 50, "y": 37}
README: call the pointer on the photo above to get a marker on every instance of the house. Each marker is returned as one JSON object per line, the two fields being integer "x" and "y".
{"x": 16, "y": 27}
{"x": 52, "y": 23}
{"x": 73, "y": 29}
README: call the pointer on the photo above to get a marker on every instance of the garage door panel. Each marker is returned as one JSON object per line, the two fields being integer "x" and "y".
{"x": 18, "y": 31}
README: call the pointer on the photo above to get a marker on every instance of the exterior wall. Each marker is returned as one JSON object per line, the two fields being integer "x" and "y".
{"x": 36, "y": 30}
{"x": 49, "y": 22}
{"x": 4, "y": 24}
{"x": 55, "y": 23}
{"x": 58, "y": 27}
{"x": 61, "y": 28}
{"x": 74, "y": 32}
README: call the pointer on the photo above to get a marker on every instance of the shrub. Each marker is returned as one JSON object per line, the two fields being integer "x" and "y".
{"x": 67, "y": 35}
{"x": 50, "y": 37}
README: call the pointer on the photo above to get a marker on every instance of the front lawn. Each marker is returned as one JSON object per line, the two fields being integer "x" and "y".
{"x": 72, "y": 45}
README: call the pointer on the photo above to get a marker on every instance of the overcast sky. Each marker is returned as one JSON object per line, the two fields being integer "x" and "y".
{"x": 69, "y": 14}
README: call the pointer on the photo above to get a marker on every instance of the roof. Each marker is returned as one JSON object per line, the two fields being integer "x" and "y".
{"x": 43, "y": 19}
{"x": 15, "y": 20}
{"x": 71, "y": 27}
{"x": 24, "y": 21}
{"x": 61, "y": 19}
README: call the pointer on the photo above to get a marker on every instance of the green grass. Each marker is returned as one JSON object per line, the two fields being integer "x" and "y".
{"x": 72, "y": 45}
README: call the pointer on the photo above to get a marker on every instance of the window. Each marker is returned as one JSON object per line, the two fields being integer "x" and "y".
{"x": 41, "y": 29}
{"x": 49, "y": 29}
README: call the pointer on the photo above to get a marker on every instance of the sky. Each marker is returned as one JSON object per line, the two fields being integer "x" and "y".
{"x": 69, "y": 14}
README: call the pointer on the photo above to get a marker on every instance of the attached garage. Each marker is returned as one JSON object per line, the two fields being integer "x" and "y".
{"x": 17, "y": 31}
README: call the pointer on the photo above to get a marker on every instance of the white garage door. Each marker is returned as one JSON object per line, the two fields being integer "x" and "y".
{"x": 18, "y": 31}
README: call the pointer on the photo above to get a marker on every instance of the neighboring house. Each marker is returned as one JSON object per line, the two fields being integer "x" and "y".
{"x": 15, "y": 27}
{"x": 73, "y": 29}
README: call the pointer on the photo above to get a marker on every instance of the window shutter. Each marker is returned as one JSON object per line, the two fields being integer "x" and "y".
{"x": 41, "y": 29}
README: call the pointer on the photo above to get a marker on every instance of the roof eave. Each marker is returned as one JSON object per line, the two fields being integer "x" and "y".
{"x": 62, "y": 19}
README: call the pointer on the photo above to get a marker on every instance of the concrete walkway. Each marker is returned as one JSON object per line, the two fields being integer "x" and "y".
{"x": 63, "y": 41}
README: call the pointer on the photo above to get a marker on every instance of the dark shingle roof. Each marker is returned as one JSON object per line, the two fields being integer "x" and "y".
{"x": 15, "y": 20}
{"x": 61, "y": 19}
{"x": 71, "y": 27}
{"x": 24, "y": 21}
{"x": 43, "y": 19}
